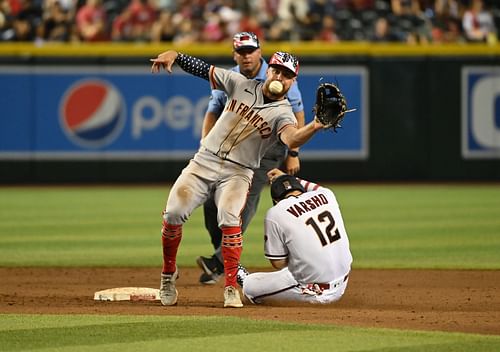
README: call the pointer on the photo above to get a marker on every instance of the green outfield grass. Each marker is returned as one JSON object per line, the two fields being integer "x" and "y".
{"x": 157, "y": 333}
{"x": 417, "y": 226}
{"x": 390, "y": 226}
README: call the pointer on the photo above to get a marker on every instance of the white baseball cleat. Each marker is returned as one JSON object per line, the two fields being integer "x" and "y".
{"x": 232, "y": 298}
{"x": 168, "y": 292}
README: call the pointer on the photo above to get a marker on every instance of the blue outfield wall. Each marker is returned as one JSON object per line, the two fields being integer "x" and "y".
{"x": 418, "y": 118}
{"x": 125, "y": 112}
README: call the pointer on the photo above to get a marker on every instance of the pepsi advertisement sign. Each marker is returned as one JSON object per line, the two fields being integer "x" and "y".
{"x": 92, "y": 113}
{"x": 481, "y": 112}
{"x": 125, "y": 112}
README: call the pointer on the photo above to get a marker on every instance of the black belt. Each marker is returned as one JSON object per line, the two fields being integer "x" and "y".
{"x": 327, "y": 286}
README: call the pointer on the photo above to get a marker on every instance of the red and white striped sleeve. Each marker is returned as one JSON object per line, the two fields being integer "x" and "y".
{"x": 308, "y": 185}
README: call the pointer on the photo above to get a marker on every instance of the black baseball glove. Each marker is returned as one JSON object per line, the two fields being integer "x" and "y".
{"x": 330, "y": 106}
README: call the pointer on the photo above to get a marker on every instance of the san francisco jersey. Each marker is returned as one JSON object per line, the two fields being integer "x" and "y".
{"x": 309, "y": 230}
{"x": 247, "y": 127}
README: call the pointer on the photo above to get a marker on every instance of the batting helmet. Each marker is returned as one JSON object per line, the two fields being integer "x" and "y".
{"x": 283, "y": 185}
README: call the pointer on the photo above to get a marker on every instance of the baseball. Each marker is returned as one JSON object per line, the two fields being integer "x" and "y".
{"x": 275, "y": 87}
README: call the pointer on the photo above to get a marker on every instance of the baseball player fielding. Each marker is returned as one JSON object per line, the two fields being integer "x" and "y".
{"x": 275, "y": 87}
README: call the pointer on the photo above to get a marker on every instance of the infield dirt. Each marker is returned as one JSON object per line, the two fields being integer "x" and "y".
{"x": 445, "y": 300}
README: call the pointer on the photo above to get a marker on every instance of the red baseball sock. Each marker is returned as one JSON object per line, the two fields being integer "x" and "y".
{"x": 232, "y": 246}
{"x": 171, "y": 236}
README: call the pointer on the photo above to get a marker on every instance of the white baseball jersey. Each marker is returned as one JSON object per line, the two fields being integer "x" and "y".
{"x": 247, "y": 127}
{"x": 309, "y": 230}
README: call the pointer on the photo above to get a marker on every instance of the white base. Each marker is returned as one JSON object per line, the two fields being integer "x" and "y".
{"x": 128, "y": 294}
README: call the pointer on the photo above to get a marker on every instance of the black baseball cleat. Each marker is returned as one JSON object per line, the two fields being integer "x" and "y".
{"x": 206, "y": 279}
{"x": 213, "y": 269}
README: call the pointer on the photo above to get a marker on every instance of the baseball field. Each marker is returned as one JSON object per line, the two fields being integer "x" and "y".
{"x": 425, "y": 277}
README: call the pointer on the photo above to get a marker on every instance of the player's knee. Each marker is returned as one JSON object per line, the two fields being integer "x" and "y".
{"x": 228, "y": 219}
{"x": 174, "y": 216}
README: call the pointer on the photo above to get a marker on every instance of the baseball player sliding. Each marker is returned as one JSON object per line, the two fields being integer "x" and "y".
{"x": 255, "y": 116}
{"x": 306, "y": 240}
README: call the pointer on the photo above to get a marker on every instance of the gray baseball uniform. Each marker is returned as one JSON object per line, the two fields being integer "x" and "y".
{"x": 248, "y": 126}
{"x": 243, "y": 132}
{"x": 309, "y": 231}
{"x": 234, "y": 146}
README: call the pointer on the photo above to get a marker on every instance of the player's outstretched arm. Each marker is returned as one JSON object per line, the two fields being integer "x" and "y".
{"x": 165, "y": 60}
{"x": 294, "y": 137}
{"x": 190, "y": 64}
{"x": 292, "y": 162}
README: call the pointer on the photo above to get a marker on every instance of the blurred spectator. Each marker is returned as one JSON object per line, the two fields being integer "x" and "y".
{"x": 187, "y": 21}
{"x": 478, "y": 23}
{"x": 135, "y": 22}
{"x": 327, "y": 32}
{"x": 446, "y": 22}
{"x": 91, "y": 22}
{"x": 6, "y": 31}
{"x": 451, "y": 32}
{"x": 291, "y": 9}
{"x": 26, "y": 22}
{"x": 341, "y": 4}
{"x": 266, "y": 11}
{"x": 405, "y": 7}
{"x": 144, "y": 14}
{"x": 121, "y": 29}
{"x": 163, "y": 30}
{"x": 230, "y": 15}
{"x": 69, "y": 6}
{"x": 250, "y": 23}
{"x": 56, "y": 22}
{"x": 383, "y": 33}
{"x": 169, "y": 5}
{"x": 278, "y": 31}
{"x": 411, "y": 20}
{"x": 449, "y": 8}
{"x": 215, "y": 29}
{"x": 14, "y": 6}
{"x": 362, "y": 5}
{"x": 317, "y": 10}
{"x": 293, "y": 19}
{"x": 191, "y": 9}
{"x": 186, "y": 33}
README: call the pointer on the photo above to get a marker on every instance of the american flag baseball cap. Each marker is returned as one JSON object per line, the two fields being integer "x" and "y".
{"x": 245, "y": 40}
{"x": 287, "y": 60}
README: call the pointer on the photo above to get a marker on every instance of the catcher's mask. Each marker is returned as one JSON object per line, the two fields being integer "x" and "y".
{"x": 283, "y": 185}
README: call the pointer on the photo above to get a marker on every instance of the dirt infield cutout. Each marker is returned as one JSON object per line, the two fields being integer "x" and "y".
{"x": 442, "y": 300}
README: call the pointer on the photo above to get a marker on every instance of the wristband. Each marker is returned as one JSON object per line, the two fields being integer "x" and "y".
{"x": 293, "y": 153}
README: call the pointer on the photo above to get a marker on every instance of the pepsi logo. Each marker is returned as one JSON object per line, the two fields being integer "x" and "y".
{"x": 92, "y": 113}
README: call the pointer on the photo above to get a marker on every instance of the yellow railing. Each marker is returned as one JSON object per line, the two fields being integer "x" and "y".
{"x": 317, "y": 49}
